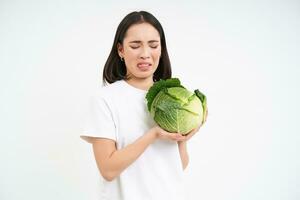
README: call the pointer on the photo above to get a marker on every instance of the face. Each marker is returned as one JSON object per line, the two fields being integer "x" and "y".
{"x": 141, "y": 50}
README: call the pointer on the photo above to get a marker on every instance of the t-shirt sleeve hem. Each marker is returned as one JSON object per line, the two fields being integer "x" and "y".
{"x": 87, "y": 136}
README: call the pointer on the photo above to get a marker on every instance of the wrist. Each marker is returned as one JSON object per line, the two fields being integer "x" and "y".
{"x": 153, "y": 134}
{"x": 182, "y": 143}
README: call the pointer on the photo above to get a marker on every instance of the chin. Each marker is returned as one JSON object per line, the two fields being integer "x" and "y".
{"x": 143, "y": 76}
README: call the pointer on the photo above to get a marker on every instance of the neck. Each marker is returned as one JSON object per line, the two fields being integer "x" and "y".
{"x": 143, "y": 84}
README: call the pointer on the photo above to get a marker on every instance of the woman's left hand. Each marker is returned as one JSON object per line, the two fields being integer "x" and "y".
{"x": 192, "y": 132}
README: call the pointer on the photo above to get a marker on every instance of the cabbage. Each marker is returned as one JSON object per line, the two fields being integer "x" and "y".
{"x": 174, "y": 108}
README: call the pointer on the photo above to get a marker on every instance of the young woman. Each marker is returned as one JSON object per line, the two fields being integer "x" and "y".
{"x": 137, "y": 159}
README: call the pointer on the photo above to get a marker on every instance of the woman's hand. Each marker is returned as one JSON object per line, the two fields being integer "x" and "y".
{"x": 162, "y": 134}
{"x": 192, "y": 132}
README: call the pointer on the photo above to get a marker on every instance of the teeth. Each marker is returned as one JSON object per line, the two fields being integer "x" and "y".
{"x": 144, "y": 65}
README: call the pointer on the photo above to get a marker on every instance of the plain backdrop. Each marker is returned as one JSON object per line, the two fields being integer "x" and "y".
{"x": 244, "y": 55}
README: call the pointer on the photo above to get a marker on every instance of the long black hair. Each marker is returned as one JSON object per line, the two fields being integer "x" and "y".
{"x": 115, "y": 69}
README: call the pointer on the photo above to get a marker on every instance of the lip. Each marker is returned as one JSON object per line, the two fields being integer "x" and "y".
{"x": 144, "y": 63}
{"x": 144, "y": 66}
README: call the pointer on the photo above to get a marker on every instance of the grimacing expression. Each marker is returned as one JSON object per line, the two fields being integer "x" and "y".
{"x": 141, "y": 50}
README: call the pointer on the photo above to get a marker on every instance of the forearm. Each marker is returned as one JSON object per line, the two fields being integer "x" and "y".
{"x": 121, "y": 159}
{"x": 182, "y": 146}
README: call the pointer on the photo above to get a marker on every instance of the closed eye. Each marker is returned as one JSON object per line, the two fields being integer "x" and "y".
{"x": 134, "y": 47}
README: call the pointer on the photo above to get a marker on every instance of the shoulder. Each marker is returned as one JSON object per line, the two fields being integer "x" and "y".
{"x": 108, "y": 92}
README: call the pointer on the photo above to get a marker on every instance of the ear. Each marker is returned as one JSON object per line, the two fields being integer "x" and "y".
{"x": 120, "y": 50}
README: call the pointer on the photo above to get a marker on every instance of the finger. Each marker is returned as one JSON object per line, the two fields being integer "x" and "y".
{"x": 171, "y": 136}
{"x": 189, "y": 136}
{"x": 166, "y": 132}
{"x": 177, "y": 136}
{"x": 205, "y": 116}
{"x": 194, "y": 130}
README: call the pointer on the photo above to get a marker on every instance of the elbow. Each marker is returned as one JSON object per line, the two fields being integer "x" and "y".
{"x": 106, "y": 172}
{"x": 108, "y": 175}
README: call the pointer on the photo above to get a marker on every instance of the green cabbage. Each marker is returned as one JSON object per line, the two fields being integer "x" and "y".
{"x": 174, "y": 108}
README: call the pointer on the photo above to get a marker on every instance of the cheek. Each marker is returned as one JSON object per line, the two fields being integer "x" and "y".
{"x": 130, "y": 54}
{"x": 156, "y": 54}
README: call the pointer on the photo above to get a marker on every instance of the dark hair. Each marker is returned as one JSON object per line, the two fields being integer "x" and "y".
{"x": 115, "y": 69}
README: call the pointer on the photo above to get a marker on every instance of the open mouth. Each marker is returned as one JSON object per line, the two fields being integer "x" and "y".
{"x": 144, "y": 66}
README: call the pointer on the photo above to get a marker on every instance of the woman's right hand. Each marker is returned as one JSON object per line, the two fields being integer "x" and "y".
{"x": 162, "y": 134}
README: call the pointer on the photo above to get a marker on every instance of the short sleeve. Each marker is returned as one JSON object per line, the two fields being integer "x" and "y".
{"x": 99, "y": 120}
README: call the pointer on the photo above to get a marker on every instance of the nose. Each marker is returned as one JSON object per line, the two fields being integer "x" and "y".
{"x": 145, "y": 53}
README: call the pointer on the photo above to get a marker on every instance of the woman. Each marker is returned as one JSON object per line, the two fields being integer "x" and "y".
{"x": 137, "y": 159}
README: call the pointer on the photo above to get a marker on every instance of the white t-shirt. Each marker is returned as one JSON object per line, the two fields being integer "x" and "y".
{"x": 119, "y": 112}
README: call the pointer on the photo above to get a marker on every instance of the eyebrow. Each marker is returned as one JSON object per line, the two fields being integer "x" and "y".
{"x": 138, "y": 41}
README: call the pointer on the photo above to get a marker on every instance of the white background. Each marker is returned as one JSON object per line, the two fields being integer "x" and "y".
{"x": 244, "y": 55}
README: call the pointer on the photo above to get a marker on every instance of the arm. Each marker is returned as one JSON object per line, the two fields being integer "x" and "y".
{"x": 183, "y": 153}
{"x": 182, "y": 146}
{"x": 111, "y": 162}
